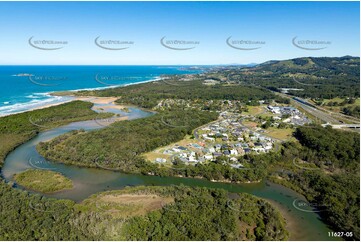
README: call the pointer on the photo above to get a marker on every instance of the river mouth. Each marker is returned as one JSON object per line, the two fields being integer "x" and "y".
{"x": 88, "y": 181}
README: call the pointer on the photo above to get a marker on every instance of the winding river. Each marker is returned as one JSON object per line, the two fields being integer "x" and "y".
{"x": 302, "y": 221}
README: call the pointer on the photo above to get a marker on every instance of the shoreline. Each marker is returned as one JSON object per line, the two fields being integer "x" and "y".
{"x": 54, "y": 93}
{"x": 290, "y": 222}
{"x": 37, "y": 108}
{"x": 92, "y": 99}
{"x": 64, "y": 93}
{"x": 74, "y": 97}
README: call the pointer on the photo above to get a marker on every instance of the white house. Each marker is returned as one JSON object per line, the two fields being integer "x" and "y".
{"x": 191, "y": 158}
{"x": 210, "y": 139}
{"x": 184, "y": 155}
{"x": 208, "y": 157}
{"x": 160, "y": 160}
{"x": 259, "y": 149}
{"x": 234, "y": 159}
{"x": 234, "y": 152}
{"x": 287, "y": 120}
{"x": 274, "y": 109}
{"x": 268, "y": 146}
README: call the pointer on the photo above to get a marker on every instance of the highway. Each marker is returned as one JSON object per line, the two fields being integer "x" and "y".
{"x": 316, "y": 112}
{"x": 319, "y": 114}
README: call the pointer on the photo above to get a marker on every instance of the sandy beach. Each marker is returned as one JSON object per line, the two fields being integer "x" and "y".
{"x": 96, "y": 100}
{"x": 106, "y": 102}
{"x": 92, "y": 99}
{"x": 37, "y": 108}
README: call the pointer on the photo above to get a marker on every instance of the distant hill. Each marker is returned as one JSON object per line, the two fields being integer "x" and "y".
{"x": 319, "y": 77}
{"x": 332, "y": 65}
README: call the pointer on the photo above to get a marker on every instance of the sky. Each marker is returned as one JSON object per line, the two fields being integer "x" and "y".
{"x": 258, "y": 32}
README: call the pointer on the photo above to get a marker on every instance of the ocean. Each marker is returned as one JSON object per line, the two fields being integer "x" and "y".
{"x": 27, "y": 87}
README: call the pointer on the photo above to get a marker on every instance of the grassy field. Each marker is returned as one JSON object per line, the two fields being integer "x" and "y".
{"x": 122, "y": 205}
{"x": 151, "y": 156}
{"x": 43, "y": 181}
{"x": 282, "y": 134}
{"x": 340, "y": 100}
{"x": 267, "y": 115}
{"x": 254, "y": 110}
{"x": 250, "y": 124}
{"x": 339, "y": 107}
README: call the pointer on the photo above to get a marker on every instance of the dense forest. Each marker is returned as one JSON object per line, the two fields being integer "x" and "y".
{"x": 18, "y": 128}
{"x": 328, "y": 175}
{"x": 208, "y": 214}
{"x": 327, "y": 146}
{"x": 148, "y": 95}
{"x": 32, "y": 217}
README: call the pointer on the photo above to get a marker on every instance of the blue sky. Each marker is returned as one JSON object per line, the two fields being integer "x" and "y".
{"x": 275, "y": 24}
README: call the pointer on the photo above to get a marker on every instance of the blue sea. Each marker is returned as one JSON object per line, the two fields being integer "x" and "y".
{"x": 26, "y": 87}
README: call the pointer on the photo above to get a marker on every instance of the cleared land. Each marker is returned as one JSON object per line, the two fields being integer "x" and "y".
{"x": 158, "y": 153}
{"x": 127, "y": 205}
{"x": 254, "y": 110}
{"x": 282, "y": 134}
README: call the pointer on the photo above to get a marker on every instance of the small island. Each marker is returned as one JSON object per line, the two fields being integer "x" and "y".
{"x": 44, "y": 181}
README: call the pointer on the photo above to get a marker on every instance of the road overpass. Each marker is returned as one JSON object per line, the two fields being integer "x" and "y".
{"x": 340, "y": 126}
